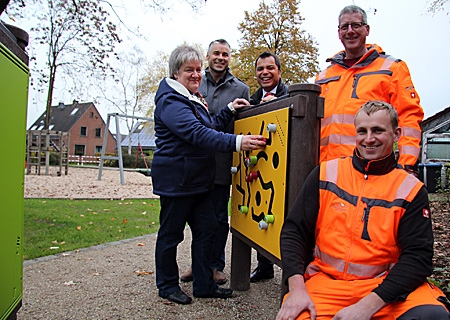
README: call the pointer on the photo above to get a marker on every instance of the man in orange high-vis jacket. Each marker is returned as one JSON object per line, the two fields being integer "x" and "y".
{"x": 367, "y": 224}
{"x": 359, "y": 73}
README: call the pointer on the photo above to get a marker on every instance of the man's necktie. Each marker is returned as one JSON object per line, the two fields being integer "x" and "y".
{"x": 268, "y": 94}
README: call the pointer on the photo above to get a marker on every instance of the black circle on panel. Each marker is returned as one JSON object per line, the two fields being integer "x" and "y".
{"x": 258, "y": 198}
{"x": 275, "y": 160}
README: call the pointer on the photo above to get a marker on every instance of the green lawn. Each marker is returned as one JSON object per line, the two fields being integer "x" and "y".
{"x": 53, "y": 226}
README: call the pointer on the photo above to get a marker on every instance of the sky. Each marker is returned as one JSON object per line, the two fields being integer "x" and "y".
{"x": 403, "y": 28}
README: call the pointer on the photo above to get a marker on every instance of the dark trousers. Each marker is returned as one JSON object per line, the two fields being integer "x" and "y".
{"x": 220, "y": 196}
{"x": 426, "y": 312}
{"x": 264, "y": 263}
{"x": 198, "y": 212}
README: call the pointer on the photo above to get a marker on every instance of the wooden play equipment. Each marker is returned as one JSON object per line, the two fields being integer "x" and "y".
{"x": 265, "y": 183}
{"x": 40, "y": 144}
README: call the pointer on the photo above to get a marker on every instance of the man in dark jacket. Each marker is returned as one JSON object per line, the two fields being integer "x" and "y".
{"x": 268, "y": 75}
{"x": 219, "y": 87}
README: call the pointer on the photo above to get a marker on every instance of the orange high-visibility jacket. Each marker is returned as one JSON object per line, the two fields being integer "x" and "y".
{"x": 357, "y": 224}
{"x": 376, "y": 76}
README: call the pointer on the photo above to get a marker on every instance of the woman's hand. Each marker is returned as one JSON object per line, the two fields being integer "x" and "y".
{"x": 239, "y": 103}
{"x": 253, "y": 142}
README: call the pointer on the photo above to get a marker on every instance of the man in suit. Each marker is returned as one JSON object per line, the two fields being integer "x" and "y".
{"x": 268, "y": 75}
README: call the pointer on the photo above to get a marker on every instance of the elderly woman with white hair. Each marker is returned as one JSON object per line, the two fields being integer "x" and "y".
{"x": 183, "y": 173}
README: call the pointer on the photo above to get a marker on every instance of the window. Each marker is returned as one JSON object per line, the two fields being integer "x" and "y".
{"x": 74, "y": 111}
{"x": 91, "y": 115}
{"x": 98, "y": 132}
{"x": 98, "y": 149}
{"x": 83, "y": 131}
{"x": 79, "y": 149}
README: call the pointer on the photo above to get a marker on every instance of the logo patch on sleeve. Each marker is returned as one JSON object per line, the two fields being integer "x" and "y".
{"x": 426, "y": 213}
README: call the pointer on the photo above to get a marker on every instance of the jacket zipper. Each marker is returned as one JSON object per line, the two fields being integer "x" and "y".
{"x": 365, "y": 218}
{"x": 355, "y": 220}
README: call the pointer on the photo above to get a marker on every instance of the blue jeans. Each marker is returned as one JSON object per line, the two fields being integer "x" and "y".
{"x": 220, "y": 196}
{"x": 198, "y": 212}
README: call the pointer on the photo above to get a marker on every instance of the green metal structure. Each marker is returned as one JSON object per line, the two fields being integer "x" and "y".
{"x": 14, "y": 75}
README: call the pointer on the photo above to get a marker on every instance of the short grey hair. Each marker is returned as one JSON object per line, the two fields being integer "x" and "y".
{"x": 353, "y": 9}
{"x": 373, "y": 106}
{"x": 180, "y": 55}
{"x": 220, "y": 41}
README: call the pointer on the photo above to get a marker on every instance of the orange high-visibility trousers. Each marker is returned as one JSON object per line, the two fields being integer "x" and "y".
{"x": 330, "y": 296}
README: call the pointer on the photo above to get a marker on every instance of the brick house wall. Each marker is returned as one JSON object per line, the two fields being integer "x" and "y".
{"x": 89, "y": 132}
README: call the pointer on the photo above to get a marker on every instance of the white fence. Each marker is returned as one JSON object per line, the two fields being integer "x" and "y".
{"x": 82, "y": 160}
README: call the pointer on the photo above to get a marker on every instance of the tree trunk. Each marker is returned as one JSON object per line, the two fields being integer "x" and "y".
{"x": 48, "y": 109}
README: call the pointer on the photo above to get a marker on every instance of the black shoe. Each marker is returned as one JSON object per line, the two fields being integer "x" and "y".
{"x": 179, "y": 297}
{"x": 261, "y": 274}
{"x": 219, "y": 293}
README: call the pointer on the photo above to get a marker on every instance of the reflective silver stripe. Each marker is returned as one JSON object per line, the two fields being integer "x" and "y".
{"x": 322, "y": 75}
{"x": 366, "y": 271}
{"x": 312, "y": 269}
{"x": 338, "y": 139}
{"x": 331, "y": 176}
{"x": 404, "y": 150}
{"x": 411, "y": 132}
{"x": 406, "y": 187}
{"x": 324, "y": 141}
{"x": 339, "y": 119}
{"x": 388, "y": 61}
{"x": 337, "y": 264}
{"x": 359, "y": 270}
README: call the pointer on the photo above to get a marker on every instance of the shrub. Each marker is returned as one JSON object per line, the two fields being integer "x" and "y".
{"x": 129, "y": 161}
{"x": 54, "y": 159}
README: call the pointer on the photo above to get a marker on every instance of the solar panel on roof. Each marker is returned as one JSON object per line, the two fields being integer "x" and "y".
{"x": 142, "y": 134}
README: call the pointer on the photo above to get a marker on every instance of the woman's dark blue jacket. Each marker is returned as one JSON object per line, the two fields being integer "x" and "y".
{"x": 186, "y": 139}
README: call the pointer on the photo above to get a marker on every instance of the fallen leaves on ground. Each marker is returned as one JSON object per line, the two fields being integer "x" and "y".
{"x": 143, "y": 272}
{"x": 441, "y": 226}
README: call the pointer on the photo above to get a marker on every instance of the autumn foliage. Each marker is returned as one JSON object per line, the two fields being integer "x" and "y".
{"x": 276, "y": 27}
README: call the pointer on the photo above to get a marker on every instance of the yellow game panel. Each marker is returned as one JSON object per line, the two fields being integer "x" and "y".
{"x": 259, "y": 180}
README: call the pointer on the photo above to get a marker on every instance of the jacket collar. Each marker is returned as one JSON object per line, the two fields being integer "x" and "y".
{"x": 179, "y": 88}
{"x": 226, "y": 77}
{"x": 281, "y": 88}
{"x": 373, "y": 52}
{"x": 374, "y": 167}
{"x": 209, "y": 84}
{"x": 273, "y": 91}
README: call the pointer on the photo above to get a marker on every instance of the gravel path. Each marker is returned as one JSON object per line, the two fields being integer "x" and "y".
{"x": 117, "y": 280}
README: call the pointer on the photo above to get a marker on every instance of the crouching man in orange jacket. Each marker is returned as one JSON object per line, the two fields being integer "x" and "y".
{"x": 358, "y": 243}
